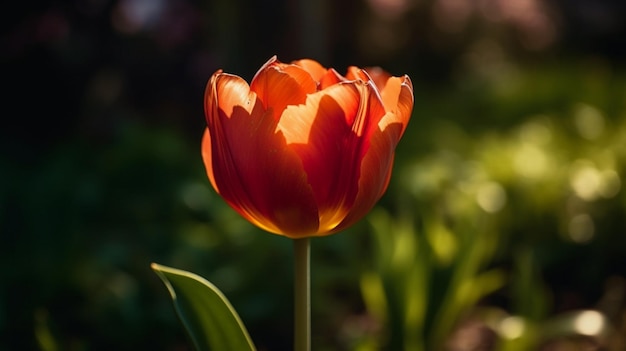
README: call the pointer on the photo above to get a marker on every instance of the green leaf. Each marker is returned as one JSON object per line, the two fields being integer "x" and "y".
{"x": 210, "y": 320}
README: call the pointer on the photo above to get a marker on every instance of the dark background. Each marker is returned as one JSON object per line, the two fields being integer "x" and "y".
{"x": 100, "y": 168}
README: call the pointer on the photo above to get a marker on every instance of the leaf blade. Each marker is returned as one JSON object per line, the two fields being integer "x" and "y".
{"x": 208, "y": 317}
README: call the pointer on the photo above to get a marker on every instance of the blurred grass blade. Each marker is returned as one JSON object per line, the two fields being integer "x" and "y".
{"x": 210, "y": 320}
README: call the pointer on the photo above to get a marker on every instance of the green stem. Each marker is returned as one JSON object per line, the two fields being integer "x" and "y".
{"x": 302, "y": 310}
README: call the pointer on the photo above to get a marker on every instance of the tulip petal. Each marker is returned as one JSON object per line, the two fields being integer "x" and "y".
{"x": 250, "y": 165}
{"x": 375, "y": 173}
{"x": 315, "y": 69}
{"x": 207, "y": 157}
{"x": 379, "y": 76}
{"x": 304, "y": 80}
{"x": 324, "y": 77}
{"x": 320, "y": 133}
{"x": 379, "y": 150}
{"x": 225, "y": 91}
{"x": 331, "y": 77}
{"x": 278, "y": 85}
{"x": 338, "y": 112}
{"x": 372, "y": 109}
{"x": 387, "y": 134}
{"x": 356, "y": 73}
{"x": 397, "y": 97}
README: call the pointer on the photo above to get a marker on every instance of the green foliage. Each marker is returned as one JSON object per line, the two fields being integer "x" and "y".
{"x": 205, "y": 312}
{"x": 428, "y": 279}
{"x": 497, "y": 223}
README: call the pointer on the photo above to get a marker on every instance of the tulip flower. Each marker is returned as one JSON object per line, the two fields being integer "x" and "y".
{"x": 303, "y": 151}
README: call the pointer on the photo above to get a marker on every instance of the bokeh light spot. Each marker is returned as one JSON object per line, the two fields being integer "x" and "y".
{"x": 491, "y": 197}
{"x": 585, "y": 180}
{"x": 589, "y": 323}
{"x": 530, "y": 161}
{"x": 512, "y": 327}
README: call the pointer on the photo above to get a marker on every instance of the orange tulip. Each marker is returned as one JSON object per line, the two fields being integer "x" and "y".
{"x": 303, "y": 151}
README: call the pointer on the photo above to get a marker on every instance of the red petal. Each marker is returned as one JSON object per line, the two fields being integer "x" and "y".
{"x": 379, "y": 76}
{"x": 321, "y": 134}
{"x": 324, "y": 77}
{"x": 398, "y": 98}
{"x": 250, "y": 165}
{"x": 315, "y": 69}
{"x": 355, "y": 73}
{"x": 378, "y": 160}
{"x": 331, "y": 77}
{"x": 375, "y": 173}
{"x": 372, "y": 108}
{"x": 207, "y": 157}
{"x": 278, "y": 85}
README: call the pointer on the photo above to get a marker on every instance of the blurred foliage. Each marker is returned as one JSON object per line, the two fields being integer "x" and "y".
{"x": 503, "y": 227}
